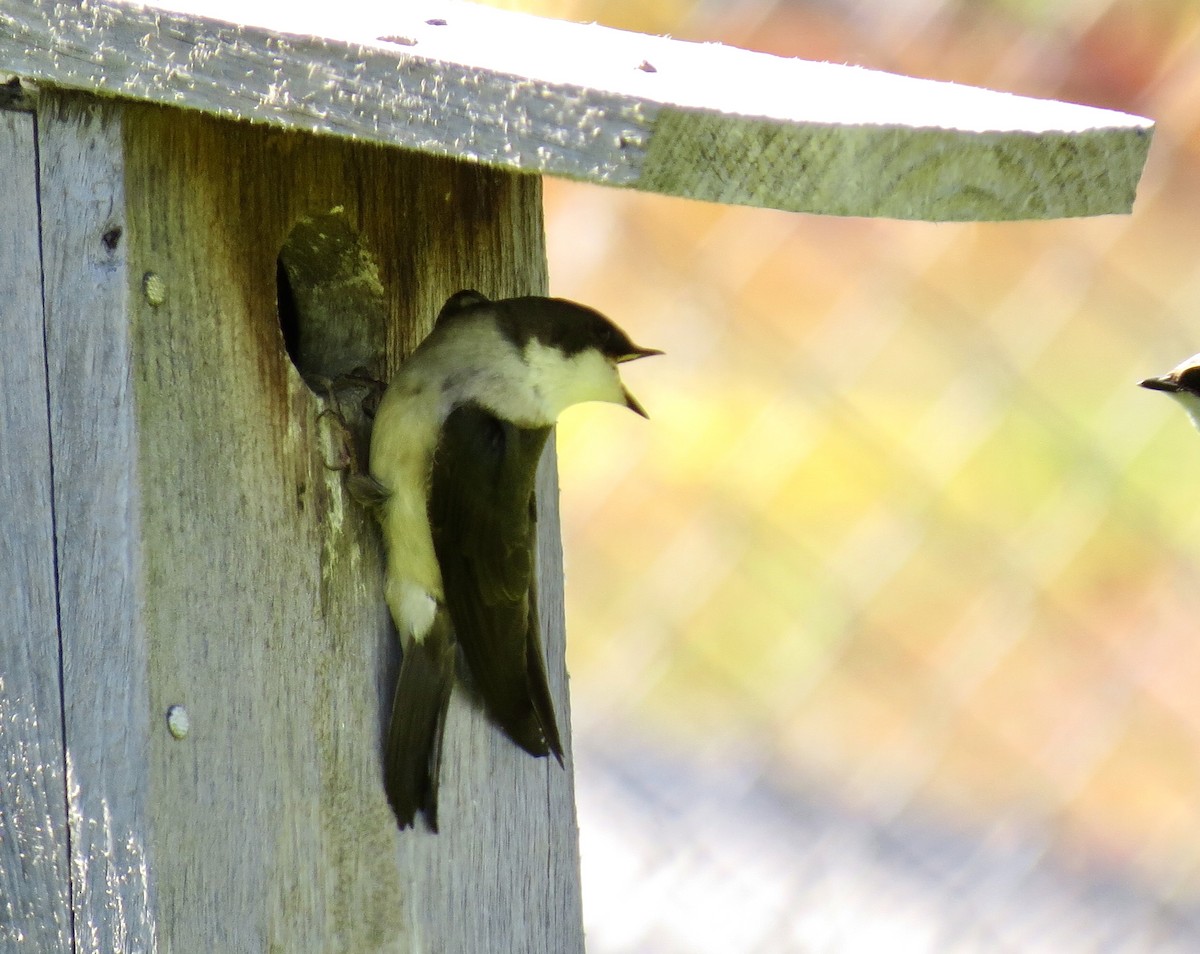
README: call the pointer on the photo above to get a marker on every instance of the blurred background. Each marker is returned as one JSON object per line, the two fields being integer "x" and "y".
{"x": 884, "y": 632}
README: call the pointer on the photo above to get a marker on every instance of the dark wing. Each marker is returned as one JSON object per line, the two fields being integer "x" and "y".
{"x": 483, "y": 513}
{"x": 413, "y": 750}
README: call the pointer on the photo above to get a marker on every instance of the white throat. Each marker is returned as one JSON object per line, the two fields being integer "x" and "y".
{"x": 561, "y": 381}
{"x": 1190, "y": 401}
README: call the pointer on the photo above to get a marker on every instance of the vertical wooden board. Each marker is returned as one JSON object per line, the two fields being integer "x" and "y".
{"x": 93, "y": 442}
{"x": 34, "y": 891}
{"x": 270, "y": 829}
{"x": 263, "y": 582}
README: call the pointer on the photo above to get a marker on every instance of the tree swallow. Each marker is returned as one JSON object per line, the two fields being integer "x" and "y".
{"x": 1183, "y": 383}
{"x": 454, "y": 454}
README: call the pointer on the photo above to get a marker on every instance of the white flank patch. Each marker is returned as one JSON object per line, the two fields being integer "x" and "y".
{"x": 415, "y": 607}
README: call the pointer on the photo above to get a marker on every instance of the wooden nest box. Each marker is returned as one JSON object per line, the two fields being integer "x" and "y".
{"x": 204, "y": 220}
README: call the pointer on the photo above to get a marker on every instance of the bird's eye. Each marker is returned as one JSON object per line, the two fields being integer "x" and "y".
{"x": 1189, "y": 380}
{"x": 609, "y": 340}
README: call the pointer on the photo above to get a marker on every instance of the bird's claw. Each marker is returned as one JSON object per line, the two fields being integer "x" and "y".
{"x": 346, "y": 459}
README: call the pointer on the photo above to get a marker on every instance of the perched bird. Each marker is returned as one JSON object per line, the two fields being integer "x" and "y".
{"x": 454, "y": 452}
{"x": 1183, "y": 383}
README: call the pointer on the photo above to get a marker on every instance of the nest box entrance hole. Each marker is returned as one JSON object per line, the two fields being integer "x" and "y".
{"x": 331, "y": 302}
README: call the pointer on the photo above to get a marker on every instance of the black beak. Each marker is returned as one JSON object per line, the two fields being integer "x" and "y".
{"x": 632, "y": 403}
{"x": 1160, "y": 384}
{"x": 638, "y": 353}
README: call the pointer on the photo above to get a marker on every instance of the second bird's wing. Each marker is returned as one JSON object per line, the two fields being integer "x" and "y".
{"x": 483, "y": 512}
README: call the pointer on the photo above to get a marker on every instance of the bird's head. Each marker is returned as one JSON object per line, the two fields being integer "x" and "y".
{"x": 573, "y": 354}
{"x": 565, "y": 353}
{"x": 1182, "y": 383}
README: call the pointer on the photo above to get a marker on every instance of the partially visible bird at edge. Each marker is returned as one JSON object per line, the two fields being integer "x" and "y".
{"x": 1182, "y": 383}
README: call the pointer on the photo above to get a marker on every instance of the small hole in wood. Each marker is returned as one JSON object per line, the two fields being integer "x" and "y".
{"x": 111, "y": 239}
{"x": 330, "y": 300}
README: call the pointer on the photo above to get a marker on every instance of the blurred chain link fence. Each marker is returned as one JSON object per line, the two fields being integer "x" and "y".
{"x": 885, "y": 630}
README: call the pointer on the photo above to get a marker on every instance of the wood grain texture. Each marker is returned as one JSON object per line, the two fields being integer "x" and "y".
{"x": 591, "y": 103}
{"x": 34, "y": 892}
{"x": 93, "y": 430}
{"x": 262, "y": 581}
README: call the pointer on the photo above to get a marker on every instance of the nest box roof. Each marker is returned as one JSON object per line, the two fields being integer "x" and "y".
{"x": 586, "y": 102}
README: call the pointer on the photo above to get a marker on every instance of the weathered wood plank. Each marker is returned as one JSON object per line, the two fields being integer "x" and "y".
{"x": 34, "y": 891}
{"x": 93, "y": 430}
{"x": 263, "y": 589}
{"x": 591, "y": 103}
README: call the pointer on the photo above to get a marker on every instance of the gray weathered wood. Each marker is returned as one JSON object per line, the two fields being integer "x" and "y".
{"x": 250, "y": 585}
{"x": 34, "y": 894}
{"x": 93, "y": 429}
{"x": 591, "y": 103}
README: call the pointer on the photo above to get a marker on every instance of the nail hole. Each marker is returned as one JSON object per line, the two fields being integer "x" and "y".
{"x": 154, "y": 288}
{"x": 179, "y": 723}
